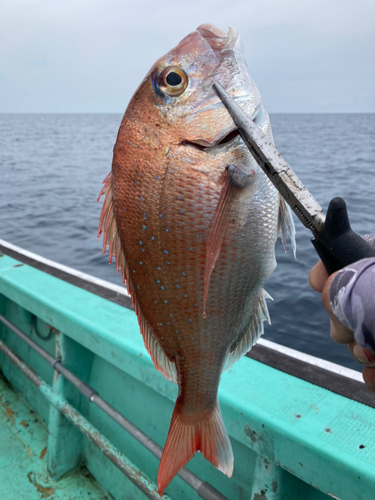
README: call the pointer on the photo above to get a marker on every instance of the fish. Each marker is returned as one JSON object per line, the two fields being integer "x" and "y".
{"x": 192, "y": 222}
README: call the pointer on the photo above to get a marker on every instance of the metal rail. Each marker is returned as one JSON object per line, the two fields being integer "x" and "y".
{"x": 82, "y": 424}
{"x": 204, "y": 490}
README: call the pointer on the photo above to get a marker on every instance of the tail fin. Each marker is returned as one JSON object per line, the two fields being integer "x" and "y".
{"x": 189, "y": 434}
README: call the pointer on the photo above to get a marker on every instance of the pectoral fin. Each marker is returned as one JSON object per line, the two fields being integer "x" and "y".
{"x": 238, "y": 177}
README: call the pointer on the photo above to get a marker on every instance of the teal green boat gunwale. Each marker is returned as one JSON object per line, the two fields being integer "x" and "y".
{"x": 286, "y": 425}
{"x": 116, "y": 457}
{"x": 204, "y": 490}
{"x": 339, "y": 379}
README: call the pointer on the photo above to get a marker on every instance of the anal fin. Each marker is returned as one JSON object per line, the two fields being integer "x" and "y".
{"x": 252, "y": 334}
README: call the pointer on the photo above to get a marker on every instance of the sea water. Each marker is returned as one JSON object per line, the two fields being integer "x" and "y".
{"x": 52, "y": 167}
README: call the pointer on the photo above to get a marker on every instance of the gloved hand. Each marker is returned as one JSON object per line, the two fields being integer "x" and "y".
{"x": 349, "y": 298}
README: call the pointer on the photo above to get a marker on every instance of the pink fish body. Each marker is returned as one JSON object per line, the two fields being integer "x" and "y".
{"x": 192, "y": 222}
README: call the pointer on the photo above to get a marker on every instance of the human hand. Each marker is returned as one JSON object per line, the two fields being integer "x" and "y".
{"x": 320, "y": 281}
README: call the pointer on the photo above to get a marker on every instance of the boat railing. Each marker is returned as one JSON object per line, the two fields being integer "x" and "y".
{"x": 301, "y": 427}
{"x": 204, "y": 490}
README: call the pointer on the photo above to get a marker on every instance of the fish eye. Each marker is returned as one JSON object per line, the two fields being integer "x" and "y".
{"x": 173, "y": 81}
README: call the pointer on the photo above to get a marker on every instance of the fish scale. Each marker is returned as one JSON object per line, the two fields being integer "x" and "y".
{"x": 192, "y": 222}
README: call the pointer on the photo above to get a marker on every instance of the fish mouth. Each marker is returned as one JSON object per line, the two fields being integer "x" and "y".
{"x": 224, "y": 138}
{"x": 203, "y": 145}
{"x": 218, "y": 39}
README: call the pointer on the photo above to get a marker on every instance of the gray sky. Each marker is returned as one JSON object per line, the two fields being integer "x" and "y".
{"x": 90, "y": 55}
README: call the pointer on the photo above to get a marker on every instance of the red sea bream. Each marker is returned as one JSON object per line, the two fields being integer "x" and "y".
{"x": 192, "y": 222}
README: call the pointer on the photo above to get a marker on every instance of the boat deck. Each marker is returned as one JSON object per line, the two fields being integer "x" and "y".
{"x": 293, "y": 438}
{"x": 23, "y": 457}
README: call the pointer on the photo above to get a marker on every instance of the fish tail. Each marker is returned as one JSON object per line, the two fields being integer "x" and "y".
{"x": 189, "y": 434}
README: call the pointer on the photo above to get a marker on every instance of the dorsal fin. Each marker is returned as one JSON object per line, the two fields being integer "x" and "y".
{"x": 107, "y": 223}
{"x": 111, "y": 239}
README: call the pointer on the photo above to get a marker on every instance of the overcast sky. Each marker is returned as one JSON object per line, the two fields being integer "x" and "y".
{"x": 90, "y": 55}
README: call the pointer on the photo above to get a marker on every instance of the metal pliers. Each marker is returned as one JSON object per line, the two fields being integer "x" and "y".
{"x": 335, "y": 242}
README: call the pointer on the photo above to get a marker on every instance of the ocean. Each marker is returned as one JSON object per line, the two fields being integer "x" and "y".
{"x": 52, "y": 167}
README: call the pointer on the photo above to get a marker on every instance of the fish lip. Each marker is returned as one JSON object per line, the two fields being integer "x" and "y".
{"x": 218, "y": 39}
{"x": 220, "y": 139}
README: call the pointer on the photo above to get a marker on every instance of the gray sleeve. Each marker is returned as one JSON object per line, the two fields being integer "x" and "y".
{"x": 352, "y": 297}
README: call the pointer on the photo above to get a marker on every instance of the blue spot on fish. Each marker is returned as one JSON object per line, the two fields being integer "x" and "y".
{"x": 166, "y": 302}
{"x": 183, "y": 274}
{"x": 152, "y": 238}
{"x": 160, "y": 215}
{"x": 181, "y": 211}
{"x": 144, "y": 227}
{"x": 140, "y": 263}
{"x": 157, "y": 177}
{"x": 162, "y": 287}
{"x": 166, "y": 230}
{"x": 141, "y": 198}
{"x": 140, "y": 242}
{"x": 165, "y": 251}
{"x": 158, "y": 268}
